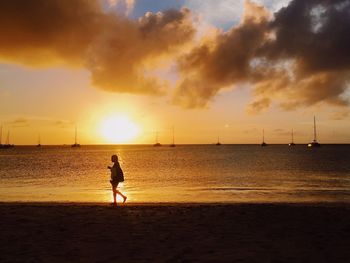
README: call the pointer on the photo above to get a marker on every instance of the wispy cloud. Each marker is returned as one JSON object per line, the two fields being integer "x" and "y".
{"x": 223, "y": 13}
{"x": 18, "y": 123}
{"x": 227, "y": 13}
{"x": 126, "y": 5}
{"x": 340, "y": 114}
{"x": 31, "y": 120}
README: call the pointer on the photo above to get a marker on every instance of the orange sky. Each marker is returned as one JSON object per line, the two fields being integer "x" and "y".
{"x": 182, "y": 68}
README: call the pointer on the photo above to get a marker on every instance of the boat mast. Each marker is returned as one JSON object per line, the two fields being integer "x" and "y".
{"x": 292, "y": 136}
{"x": 8, "y": 138}
{"x": 315, "y": 138}
{"x": 263, "y": 135}
{"x": 173, "y": 136}
{"x": 0, "y": 134}
{"x": 39, "y": 139}
{"x": 75, "y": 140}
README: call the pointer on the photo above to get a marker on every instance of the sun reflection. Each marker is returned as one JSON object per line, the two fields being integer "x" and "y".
{"x": 119, "y": 199}
{"x": 107, "y": 195}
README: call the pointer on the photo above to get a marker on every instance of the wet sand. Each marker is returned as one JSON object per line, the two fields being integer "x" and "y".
{"x": 53, "y": 232}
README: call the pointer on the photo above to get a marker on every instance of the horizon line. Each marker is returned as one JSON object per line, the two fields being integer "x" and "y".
{"x": 179, "y": 144}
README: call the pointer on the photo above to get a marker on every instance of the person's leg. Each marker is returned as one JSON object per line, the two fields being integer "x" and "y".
{"x": 114, "y": 190}
{"x": 120, "y": 193}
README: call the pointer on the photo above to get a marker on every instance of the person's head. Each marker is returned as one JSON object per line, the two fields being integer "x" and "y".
{"x": 114, "y": 158}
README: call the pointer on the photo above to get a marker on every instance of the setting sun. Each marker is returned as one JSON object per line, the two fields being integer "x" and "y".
{"x": 119, "y": 129}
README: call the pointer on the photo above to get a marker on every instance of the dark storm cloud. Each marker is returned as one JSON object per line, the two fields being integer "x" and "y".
{"x": 77, "y": 32}
{"x": 315, "y": 37}
{"x": 316, "y": 33}
{"x": 299, "y": 57}
{"x": 222, "y": 62}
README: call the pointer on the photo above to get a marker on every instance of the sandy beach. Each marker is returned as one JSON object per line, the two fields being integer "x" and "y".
{"x": 71, "y": 232}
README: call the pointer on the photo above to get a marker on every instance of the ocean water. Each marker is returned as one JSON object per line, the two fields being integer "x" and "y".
{"x": 188, "y": 173}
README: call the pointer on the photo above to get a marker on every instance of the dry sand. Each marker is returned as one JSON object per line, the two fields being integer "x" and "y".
{"x": 49, "y": 232}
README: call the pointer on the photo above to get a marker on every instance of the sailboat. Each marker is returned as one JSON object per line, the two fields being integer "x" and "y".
{"x": 314, "y": 143}
{"x": 157, "y": 144}
{"x": 292, "y": 143}
{"x": 218, "y": 143}
{"x": 263, "y": 139}
{"x": 0, "y": 136}
{"x": 7, "y": 143}
{"x": 1, "y": 145}
{"x": 76, "y": 144}
{"x": 173, "y": 144}
{"x": 39, "y": 141}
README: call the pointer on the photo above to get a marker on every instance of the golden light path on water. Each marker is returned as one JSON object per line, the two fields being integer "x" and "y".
{"x": 190, "y": 173}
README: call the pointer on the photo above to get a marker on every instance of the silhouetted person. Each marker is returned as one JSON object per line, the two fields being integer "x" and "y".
{"x": 117, "y": 176}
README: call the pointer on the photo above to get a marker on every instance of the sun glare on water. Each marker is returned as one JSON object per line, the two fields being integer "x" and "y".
{"x": 119, "y": 129}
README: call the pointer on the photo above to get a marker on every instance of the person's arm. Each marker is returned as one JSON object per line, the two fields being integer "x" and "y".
{"x": 110, "y": 168}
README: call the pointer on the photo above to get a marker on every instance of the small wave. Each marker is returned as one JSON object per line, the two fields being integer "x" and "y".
{"x": 238, "y": 189}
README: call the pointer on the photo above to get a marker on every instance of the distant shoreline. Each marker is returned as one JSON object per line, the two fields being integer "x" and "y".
{"x": 184, "y": 144}
{"x": 170, "y": 204}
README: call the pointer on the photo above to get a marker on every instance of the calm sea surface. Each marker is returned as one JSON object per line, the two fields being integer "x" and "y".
{"x": 198, "y": 173}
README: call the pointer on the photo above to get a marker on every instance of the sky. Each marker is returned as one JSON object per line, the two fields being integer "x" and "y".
{"x": 124, "y": 71}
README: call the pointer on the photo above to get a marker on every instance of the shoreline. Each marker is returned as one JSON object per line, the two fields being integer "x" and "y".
{"x": 209, "y": 204}
{"x": 162, "y": 204}
{"x": 174, "y": 232}
{"x": 178, "y": 144}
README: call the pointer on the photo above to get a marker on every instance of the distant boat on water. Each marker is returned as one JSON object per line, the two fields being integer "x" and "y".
{"x": 7, "y": 143}
{"x": 292, "y": 143}
{"x": 39, "y": 141}
{"x": 0, "y": 136}
{"x": 76, "y": 144}
{"x": 173, "y": 144}
{"x": 314, "y": 143}
{"x": 263, "y": 139}
{"x": 218, "y": 142}
{"x": 157, "y": 144}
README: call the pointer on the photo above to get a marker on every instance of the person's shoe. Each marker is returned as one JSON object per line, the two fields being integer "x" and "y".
{"x": 124, "y": 199}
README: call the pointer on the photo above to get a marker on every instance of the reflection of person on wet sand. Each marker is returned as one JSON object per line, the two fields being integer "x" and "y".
{"x": 117, "y": 176}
